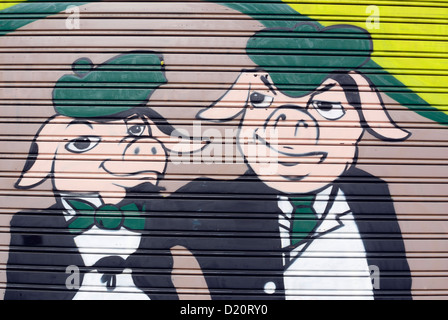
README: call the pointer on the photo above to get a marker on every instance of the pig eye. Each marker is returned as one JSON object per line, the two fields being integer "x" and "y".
{"x": 329, "y": 110}
{"x": 259, "y": 100}
{"x": 82, "y": 144}
{"x": 136, "y": 130}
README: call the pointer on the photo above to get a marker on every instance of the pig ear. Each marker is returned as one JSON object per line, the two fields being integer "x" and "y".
{"x": 36, "y": 169}
{"x": 228, "y": 107}
{"x": 174, "y": 140}
{"x": 377, "y": 119}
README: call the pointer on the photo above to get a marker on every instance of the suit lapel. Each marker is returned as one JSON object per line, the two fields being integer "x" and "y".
{"x": 331, "y": 206}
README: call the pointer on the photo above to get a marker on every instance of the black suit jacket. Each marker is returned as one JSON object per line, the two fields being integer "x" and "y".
{"x": 42, "y": 248}
{"x": 230, "y": 226}
{"x": 232, "y": 229}
{"x": 39, "y": 253}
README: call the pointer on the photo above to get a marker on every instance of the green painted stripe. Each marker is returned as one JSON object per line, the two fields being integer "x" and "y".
{"x": 405, "y": 96}
{"x": 271, "y": 13}
{"x": 31, "y": 12}
{"x": 284, "y": 16}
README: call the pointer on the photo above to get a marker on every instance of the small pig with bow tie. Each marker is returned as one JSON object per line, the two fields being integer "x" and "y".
{"x": 105, "y": 152}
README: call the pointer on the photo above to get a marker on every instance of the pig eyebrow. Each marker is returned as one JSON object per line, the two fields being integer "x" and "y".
{"x": 87, "y": 123}
{"x": 327, "y": 87}
{"x": 268, "y": 84}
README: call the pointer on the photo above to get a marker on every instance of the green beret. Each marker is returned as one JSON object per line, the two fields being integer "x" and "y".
{"x": 120, "y": 84}
{"x": 299, "y": 59}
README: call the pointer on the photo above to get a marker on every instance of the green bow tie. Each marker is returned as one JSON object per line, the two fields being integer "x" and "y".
{"x": 305, "y": 219}
{"x": 107, "y": 217}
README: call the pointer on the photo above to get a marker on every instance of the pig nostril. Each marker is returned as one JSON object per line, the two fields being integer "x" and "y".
{"x": 301, "y": 123}
{"x": 154, "y": 150}
{"x": 137, "y": 151}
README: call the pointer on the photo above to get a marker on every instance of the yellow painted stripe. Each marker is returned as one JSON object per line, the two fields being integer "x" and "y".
{"x": 6, "y": 4}
{"x": 414, "y": 3}
{"x": 434, "y": 12}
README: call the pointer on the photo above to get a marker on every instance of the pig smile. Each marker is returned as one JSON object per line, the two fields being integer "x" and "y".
{"x": 295, "y": 178}
{"x": 289, "y": 164}
{"x": 321, "y": 154}
{"x": 148, "y": 174}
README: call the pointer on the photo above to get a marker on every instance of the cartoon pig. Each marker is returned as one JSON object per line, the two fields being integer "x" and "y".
{"x": 105, "y": 153}
{"x": 314, "y": 189}
{"x": 304, "y": 221}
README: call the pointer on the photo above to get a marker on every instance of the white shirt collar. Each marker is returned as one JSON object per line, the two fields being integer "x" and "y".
{"x": 328, "y": 214}
{"x": 338, "y": 206}
{"x": 319, "y": 205}
{"x": 69, "y": 212}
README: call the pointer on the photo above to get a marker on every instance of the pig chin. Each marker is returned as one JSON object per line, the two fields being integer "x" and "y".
{"x": 144, "y": 189}
{"x": 141, "y": 193}
{"x": 294, "y": 172}
{"x": 135, "y": 193}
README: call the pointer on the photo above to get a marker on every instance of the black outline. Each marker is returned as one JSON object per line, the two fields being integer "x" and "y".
{"x": 33, "y": 158}
{"x": 332, "y": 103}
{"x": 383, "y": 106}
{"x": 80, "y": 152}
{"x": 243, "y": 109}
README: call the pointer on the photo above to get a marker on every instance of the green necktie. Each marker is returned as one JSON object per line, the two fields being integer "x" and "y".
{"x": 304, "y": 218}
{"x": 106, "y": 217}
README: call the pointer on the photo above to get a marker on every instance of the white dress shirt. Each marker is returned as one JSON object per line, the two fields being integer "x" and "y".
{"x": 95, "y": 244}
{"x": 332, "y": 263}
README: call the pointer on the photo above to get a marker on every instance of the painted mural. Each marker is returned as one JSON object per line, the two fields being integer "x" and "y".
{"x": 128, "y": 139}
{"x": 132, "y": 143}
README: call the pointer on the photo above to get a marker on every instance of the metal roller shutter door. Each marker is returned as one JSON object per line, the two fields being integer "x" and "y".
{"x": 225, "y": 150}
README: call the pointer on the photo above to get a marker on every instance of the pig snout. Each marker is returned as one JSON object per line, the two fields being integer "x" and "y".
{"x": 142, "y": 159}
{"x": 290, "y": 127}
